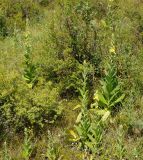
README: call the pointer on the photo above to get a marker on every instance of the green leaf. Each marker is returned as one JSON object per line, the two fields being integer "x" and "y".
{"x": 105, "y": 116}
{"x": 102, "y": 99}
{"x": 118, "y": 100}
{"x": 79, "y": 117}
{"x": 77, "y": 107}
{"x": 73, "y": 134}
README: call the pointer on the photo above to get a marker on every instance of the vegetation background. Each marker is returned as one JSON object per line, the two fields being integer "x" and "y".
{"x": 71, "y": 80}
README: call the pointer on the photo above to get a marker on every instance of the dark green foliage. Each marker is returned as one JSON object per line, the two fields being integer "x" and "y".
{"x": 110, "y": 95}
{"x": 71, "y": 40}
{"x": 14, "y": 14}
{"x": 3, "y": 27}
{"x": 45, "y": 2}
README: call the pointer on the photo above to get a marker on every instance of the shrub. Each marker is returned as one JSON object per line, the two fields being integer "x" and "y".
{"x": 32, "y": 107}
{"x": 45, "y": 2}
{"x": 71, "y": 39}
{"x": 23, "y": 106}
{"x": 15, "y": 13}
{"x": 3, "y": 27}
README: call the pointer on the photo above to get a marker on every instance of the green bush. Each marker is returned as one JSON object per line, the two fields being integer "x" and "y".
{"x": 45, "y": 2}
{"x": 32, "y": 107}
{"x": 71, "y": 39}
{"x": 14, "y": 14}
{"x": 23, "y": 106}
{"x": 3, "y": 27}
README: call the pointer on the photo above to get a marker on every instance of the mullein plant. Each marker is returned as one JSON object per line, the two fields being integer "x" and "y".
{"x": 83, "y": 121}
{"x": 30, "y": 70}
{"x": 27, "y": 145}
{"x": 5, "y": 155}
{"x": 120, "y": 147}
{"x": 87, "y": 132}
{"x": 108, "y": 99}
{"x": 53, "y": 149}
{"x": 109, "y": 23}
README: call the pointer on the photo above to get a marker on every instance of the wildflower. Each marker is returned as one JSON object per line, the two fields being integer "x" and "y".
{"x": 112, "y": 50}
{"x": 103, "y": 23}
{"x": 96, "y": 97}
{"x": 27, "y": 34}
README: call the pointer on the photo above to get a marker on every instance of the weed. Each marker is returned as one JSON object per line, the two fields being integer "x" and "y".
{"x": 53, "y": 148}
{"x": 6, "y": 155}
{"x": 27, "y": 145}
{"x": 110, "y": 97}
{"x": 30, "y": 73}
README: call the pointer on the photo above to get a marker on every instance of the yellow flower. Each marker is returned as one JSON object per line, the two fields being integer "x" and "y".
{"x": 96, "y": 97}
{"x": 112, "y": 50}
{"x": 103, "y": 23}
{"x": 27, "y": 34}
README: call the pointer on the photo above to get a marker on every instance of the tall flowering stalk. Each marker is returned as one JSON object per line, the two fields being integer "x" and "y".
{"x": 30, "y": 73}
